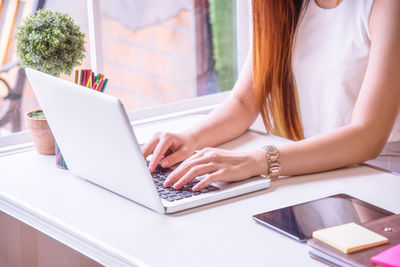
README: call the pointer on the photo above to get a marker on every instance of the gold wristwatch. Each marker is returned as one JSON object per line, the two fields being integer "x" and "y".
{"x": 274, "y": 165}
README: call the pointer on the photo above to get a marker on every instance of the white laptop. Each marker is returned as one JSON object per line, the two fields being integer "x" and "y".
{"x": 98, "y": 144}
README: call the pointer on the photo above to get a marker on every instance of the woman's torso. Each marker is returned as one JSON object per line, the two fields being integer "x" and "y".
{"x": 330, "y": 57}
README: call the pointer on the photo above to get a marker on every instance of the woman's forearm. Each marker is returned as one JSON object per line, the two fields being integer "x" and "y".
{"x": 231, "y": 118}
{"x": 226, "y": 122}
{"x": 343, "y": 147}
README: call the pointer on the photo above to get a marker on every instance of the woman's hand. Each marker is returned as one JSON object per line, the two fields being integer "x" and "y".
{"x": 218, "y": 165}
{"x": 169, "y": 148}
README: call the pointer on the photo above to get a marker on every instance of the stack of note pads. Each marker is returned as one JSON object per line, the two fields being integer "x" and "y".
{"x": 375, "y": 242}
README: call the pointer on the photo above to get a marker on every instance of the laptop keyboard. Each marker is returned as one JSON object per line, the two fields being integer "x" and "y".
{"x": 169, "y": 193}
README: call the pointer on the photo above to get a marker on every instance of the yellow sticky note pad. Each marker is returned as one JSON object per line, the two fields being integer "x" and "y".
{"x": 349, "y": 237}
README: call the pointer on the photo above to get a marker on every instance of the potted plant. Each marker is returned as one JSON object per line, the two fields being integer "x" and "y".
{"x": 52, "y": 43}
{"x": 40, "y": 131}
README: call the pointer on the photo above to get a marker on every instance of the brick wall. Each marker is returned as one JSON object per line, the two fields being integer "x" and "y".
{"x": 152, "y": 65}
{"x": 146, "y": 67}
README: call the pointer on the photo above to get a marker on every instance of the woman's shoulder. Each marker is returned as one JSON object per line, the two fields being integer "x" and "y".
{"x": 385, "y": 16}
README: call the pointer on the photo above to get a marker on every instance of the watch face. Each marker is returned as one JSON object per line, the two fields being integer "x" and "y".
{"x": 274, "y": 166}
{"x": 274, "y": 173}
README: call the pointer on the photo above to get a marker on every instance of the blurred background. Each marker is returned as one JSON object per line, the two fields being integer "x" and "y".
{"x": 154, "y": 51}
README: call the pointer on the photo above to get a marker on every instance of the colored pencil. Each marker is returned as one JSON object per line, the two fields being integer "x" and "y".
{"x": 88, "y": 82}
{"x": 89, "y": 74}
{"x": 104, "y": 85}
{"x": 92, "y": 80}
{"x": 86, "y": 78}
{"x": 100, "y": 85}
{"x": 85, "y": 73}
{"x": 81, "y": 77}
{"x": 96, "y": 84}
{"x": 76, "y": 76}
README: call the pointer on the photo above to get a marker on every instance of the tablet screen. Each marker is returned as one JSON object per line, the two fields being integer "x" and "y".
{"x": 299, "y": 221}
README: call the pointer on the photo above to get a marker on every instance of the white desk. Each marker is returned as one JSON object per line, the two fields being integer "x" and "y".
{"x": 117, "y": 232}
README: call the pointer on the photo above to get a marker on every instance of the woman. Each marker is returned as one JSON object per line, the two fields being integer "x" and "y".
{"x": 325, "y": 73}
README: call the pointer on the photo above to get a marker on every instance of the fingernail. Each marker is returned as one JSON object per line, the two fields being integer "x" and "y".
{"x": 165, "y": 163}
{"x": 167, "y": 183}
{"x": 176, "y": 186}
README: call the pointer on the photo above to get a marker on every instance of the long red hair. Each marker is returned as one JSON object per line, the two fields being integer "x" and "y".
{"x": 274, "y": 26}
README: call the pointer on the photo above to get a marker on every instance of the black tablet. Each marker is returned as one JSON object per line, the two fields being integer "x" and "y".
{"x": 299, "y": 221}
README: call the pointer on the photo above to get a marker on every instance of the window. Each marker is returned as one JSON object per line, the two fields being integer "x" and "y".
{"x": 181, "y": 49}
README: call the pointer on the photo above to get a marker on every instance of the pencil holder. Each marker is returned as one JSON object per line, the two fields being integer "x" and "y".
{"x": 60, "y": 162}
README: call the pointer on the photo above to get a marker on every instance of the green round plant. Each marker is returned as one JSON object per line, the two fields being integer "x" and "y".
{"x": 50, "y": 42}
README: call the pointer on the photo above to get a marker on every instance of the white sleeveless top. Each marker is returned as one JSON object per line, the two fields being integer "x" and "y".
{"x": 330, "y": 57}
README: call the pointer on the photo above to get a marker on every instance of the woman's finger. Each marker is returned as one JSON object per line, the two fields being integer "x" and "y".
{"x": 161, "y": 148}
{"x": 202, "y": 157}
{"x": 172, "y": 159}
{"x": 193, "y": 173}
{"x": 149, "y": 147}
{"x": 182, "y": 169}
{"x": 211, "y": 178}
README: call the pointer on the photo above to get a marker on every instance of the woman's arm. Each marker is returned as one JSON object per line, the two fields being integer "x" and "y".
{"x": 376, "y": 108}
{"x": 373, "y": 118}
{"x": 233, "y": 117}
{"x": 226, "y": 122}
